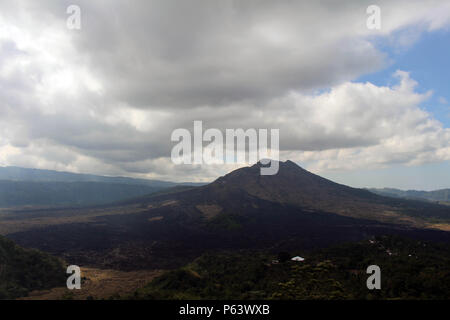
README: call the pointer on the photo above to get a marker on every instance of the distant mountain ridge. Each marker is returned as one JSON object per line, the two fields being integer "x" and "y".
{"x": 441, "y": 195}
{"x": 37, "y": 193}
{"x": 41, "y": 175}
{"x": 24, "y": 187}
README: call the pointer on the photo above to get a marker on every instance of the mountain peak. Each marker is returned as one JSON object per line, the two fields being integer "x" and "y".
{"x": 282, "y": 165}
{"x": 262, "y": 162}
{"x": 291, "y": 185}
{"x": 254, "y": 171}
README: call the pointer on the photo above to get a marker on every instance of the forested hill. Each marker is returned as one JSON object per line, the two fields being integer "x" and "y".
{"x": 410, "y": 269}
{"x": 23, "y": 270}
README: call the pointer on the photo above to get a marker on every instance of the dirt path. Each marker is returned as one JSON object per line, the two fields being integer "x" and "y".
{"x": 99, "y": 284}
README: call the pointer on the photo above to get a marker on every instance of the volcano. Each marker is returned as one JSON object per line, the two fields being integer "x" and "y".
{"x": 296, "y": 187}
{"x": 241, "y": 210}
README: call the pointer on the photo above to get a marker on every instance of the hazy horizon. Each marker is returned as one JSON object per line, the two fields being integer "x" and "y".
{"x": 347, "y": 180}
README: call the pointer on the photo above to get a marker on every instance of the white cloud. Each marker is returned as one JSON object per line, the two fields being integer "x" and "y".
{"x": 105, "y": 99}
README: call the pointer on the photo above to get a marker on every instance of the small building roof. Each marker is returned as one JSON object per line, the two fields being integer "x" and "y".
{"x": 298, "y": 258}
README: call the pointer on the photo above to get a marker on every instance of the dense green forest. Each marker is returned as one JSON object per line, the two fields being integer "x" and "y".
{"x": 23, "y": 270}
{"x": 410, "y": 269}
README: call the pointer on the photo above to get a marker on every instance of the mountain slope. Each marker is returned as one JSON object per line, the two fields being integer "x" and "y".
{"x": 240, "y": 210}
{"x": 23, "y": 270}
{"x": 297, "y": 187}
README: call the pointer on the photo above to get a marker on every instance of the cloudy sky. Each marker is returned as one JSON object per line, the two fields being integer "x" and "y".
{"x": 362, "y": 106}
